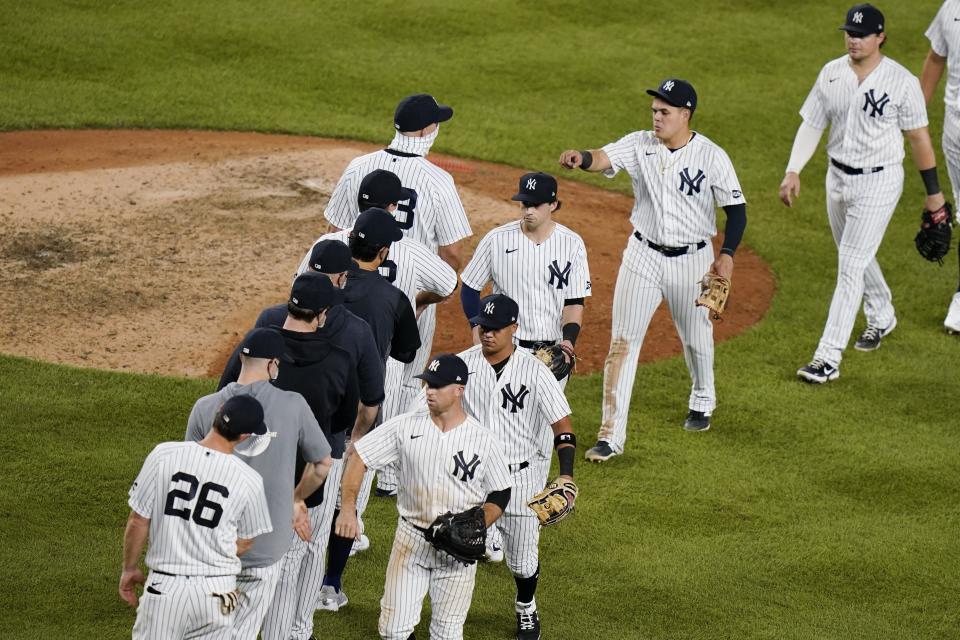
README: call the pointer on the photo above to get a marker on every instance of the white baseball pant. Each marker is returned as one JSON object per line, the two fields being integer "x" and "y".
{"x": 176, "y": 607}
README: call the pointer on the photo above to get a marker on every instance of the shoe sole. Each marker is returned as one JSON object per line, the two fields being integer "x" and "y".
{"x": 951, "y": 331}
{"x": 596, "y": 457}
{"x": 691, "y": 428}
{"x": 334, "y": 607}
{"x": 808, "y": 377}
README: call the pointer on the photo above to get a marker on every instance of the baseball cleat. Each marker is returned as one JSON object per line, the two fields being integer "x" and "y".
{"x": 528, "y": 622}
{"x": 600, "y": 452}
{"x": 494, "y": 553}
{"x": 331, "y": 599}
{"x": 952, "y": 322}
{"x": 818, "y": 372}
{"x": 869, "y": 340}
{"x": 360, "y": 545}
{"x": 696, "y": 421}
{"x": 385, "y": 493}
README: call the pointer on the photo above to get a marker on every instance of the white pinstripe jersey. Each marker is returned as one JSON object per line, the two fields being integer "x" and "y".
{"x": 199, "y": 501}
{"x": 944, "y": 37}
{"x": 676, "y": 193}
{"x": 518, "y": 407}
{"x": 438, "y": 472}
{"x": 437, "y": 218}
{"x": 410, "y": 267}
{"x": 539, "y": 277}
{"x": 865, "y": 119}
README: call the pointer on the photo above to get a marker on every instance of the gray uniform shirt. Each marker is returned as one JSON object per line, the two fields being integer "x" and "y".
{"x": 290, "y": 425}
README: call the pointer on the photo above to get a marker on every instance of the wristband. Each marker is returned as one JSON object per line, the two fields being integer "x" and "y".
{"x": 565, "y": 457}
{"x": 564, "y": 438}
{"x": 930, "y": 180}
{"x": 570, "y": 332}
{"x": 586, "y": 161}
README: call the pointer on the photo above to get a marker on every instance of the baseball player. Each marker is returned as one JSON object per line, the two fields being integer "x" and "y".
{"x": 433, "y": 214}
{"x": 201, "y": 507}
{"x": 944, "y": 36}
{"x": 516, "y": 396}
{"x": 292, "y": 428}
{"x": 679, "y": 178}
{"x": 866, "y": 99}
{"x": 447, "y": 462}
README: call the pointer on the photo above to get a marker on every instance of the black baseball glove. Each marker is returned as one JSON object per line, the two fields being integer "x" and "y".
{"x": 933, "y": 239}
{"x": 462, "y": 535}
{"x": 555, "y": 357}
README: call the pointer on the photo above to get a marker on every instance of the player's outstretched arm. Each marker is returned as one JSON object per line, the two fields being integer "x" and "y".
{"x": 926, "y": 161}
{"x": 452, "y": 254}
{"x": 804, "y": 145}
{"x": 134, "y": 538}
{"x": 593, "y": 160}
{"x": 346, "y": 525}
{"x": 933, "y": 68}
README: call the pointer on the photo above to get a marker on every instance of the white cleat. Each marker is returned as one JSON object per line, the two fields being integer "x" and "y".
{"x": 952, "y": 322}
{"x": 494, "y": 553}
{"x": 360, "y": 545}
{"x": 331, "y": 599}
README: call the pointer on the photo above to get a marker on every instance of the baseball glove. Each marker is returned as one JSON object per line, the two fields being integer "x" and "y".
{"x": 553, "y": 355}
{"x": 462, "y": 535}
{"x": 933, "y": 239}
{"x": 555, "y": 502}
{"x": 714, "y": 291}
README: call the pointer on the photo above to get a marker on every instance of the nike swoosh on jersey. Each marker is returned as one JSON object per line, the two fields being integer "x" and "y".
{"x": 512, "y": 250}
{"x": 834, "y": 79}
{"x": 649, "y": 153}
{"x": 415, "y": 437}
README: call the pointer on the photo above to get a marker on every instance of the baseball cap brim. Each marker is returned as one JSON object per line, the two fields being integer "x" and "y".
{"x": 489, "y": 322}
{"x": 444, "y": 113}
{"x": 858, "y": 31}
{"x": 529, "y": 197}
{"x": 431, "y": 378}
{"x": 663, "y": 96}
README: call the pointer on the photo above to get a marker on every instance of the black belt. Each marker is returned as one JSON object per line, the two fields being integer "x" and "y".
{"x": 670, "y": 252}
{"x": 850, "y": 171}
{"x": 520, "y": 466}
{"x": 174, "y": 575}
{"x": 533, "y": 344}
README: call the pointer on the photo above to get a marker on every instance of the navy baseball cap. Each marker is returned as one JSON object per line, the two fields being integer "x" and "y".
{"x": 381, "y": 187}
{"x": 419, "y": 112}
{"x": 444, "y": 369}
{"x": 496, "y": 312}
{"x": 377, "y": 227}
{"x": 314, "y": 291}
{"x": 330, "y": 256}
{"x": 536, "y": 187}
{"x": 265, "y": 343}
{"x": 243, "y": 414}
{"x": 677, "y": 92}
{"x": 863, "y": 20}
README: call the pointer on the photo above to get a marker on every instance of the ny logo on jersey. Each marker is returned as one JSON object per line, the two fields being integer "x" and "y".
{"x": 668, "y": 85}
{"x": 531, "y": 184}
{"x": 488, "y": 309}
{"x": 515, "y": 400}
{"x": 691, "y": 184}
{"x": 558, "y": 275}
{"x": 858, "y": 17}
{"x": 434, "y": 365}
{"x": 876, "y": 106}
{"x": 463, "y": 468}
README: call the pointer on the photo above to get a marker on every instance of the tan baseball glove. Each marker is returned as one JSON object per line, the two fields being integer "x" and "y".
{"x": 714, "y": 291}
{"x": 555, "y": 502}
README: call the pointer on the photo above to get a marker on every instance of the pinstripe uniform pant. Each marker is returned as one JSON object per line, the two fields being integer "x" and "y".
{"x": 416, "y": 568}
{"x": 646, "y": 278}
{"x": 859, "y": 208}
{"x": 951, "y": 147}
{"x": 258, "y": 586}
{"x": 519, "y": 525}
{"x": 301, "y": 577}
{"x": 183, "y": 607}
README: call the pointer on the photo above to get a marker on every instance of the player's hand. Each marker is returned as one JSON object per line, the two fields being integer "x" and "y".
{"x": 128, "y": 582}
{"x": 723, "y": 266}
{"x": 935, "y": 202}
{"x": 301, "y": 520}
{"x": 570, "y": 159}
{"x": 346, "y": 525}
{"x": 567, "y": 347}
{"x": 790, "y": 188}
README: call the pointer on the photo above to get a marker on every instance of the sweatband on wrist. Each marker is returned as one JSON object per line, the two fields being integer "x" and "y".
{"x": 586, "y": 160}
{"x": 930, "y": 180}
{"x": 564, "y": 438}
{"x": 499, "y": 498}
{"x": 572, "y": 301}
{"x": 565, "y": 456}
{"x": 570, "y": 332}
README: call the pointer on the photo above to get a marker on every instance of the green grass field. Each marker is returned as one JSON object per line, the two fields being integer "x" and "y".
{"x": 805, "y": 513}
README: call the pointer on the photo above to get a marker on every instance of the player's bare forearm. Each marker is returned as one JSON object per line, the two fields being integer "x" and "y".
{"x": 134, "y": 538}
{"x": 350, "y": 483}
{"x": 573, "y": 159}
{"x": 933, "y": 68}
{"x": 314, "y": 475}
{"x": 921, "y": 147}
{"x": 491, "y": 513}
{"x": 723, "y": 266}
{"x": 243, "y": 545}
{"x": 426, "y": 298}
{"x": 452, "y": 254}
{"x": 332, "y": 228}
{"x": 572, "y": 313}
{"x": 365, "y": 418}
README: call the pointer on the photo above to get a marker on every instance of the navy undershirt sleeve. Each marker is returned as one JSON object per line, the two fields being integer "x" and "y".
{"x": 736, "y": 223}
{"x": 470, "y": 301}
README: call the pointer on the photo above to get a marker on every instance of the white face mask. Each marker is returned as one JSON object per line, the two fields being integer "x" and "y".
{"x": 419, "y": 146}
{"x": 255, "y": 445}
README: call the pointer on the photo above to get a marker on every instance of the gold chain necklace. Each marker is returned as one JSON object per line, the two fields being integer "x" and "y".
{"x": 675, "y": 154}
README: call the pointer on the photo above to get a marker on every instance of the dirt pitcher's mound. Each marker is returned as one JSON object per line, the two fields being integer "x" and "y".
{"x": 153, "y": 251}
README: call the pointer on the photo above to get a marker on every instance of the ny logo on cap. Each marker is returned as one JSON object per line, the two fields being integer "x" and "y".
{"x": 668, "y": 85}
{"x": 858, "y": 17}
{"x": 489, "y": 309}
{"x": 434, "y": 365}
{"x": 531, "y": 184}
